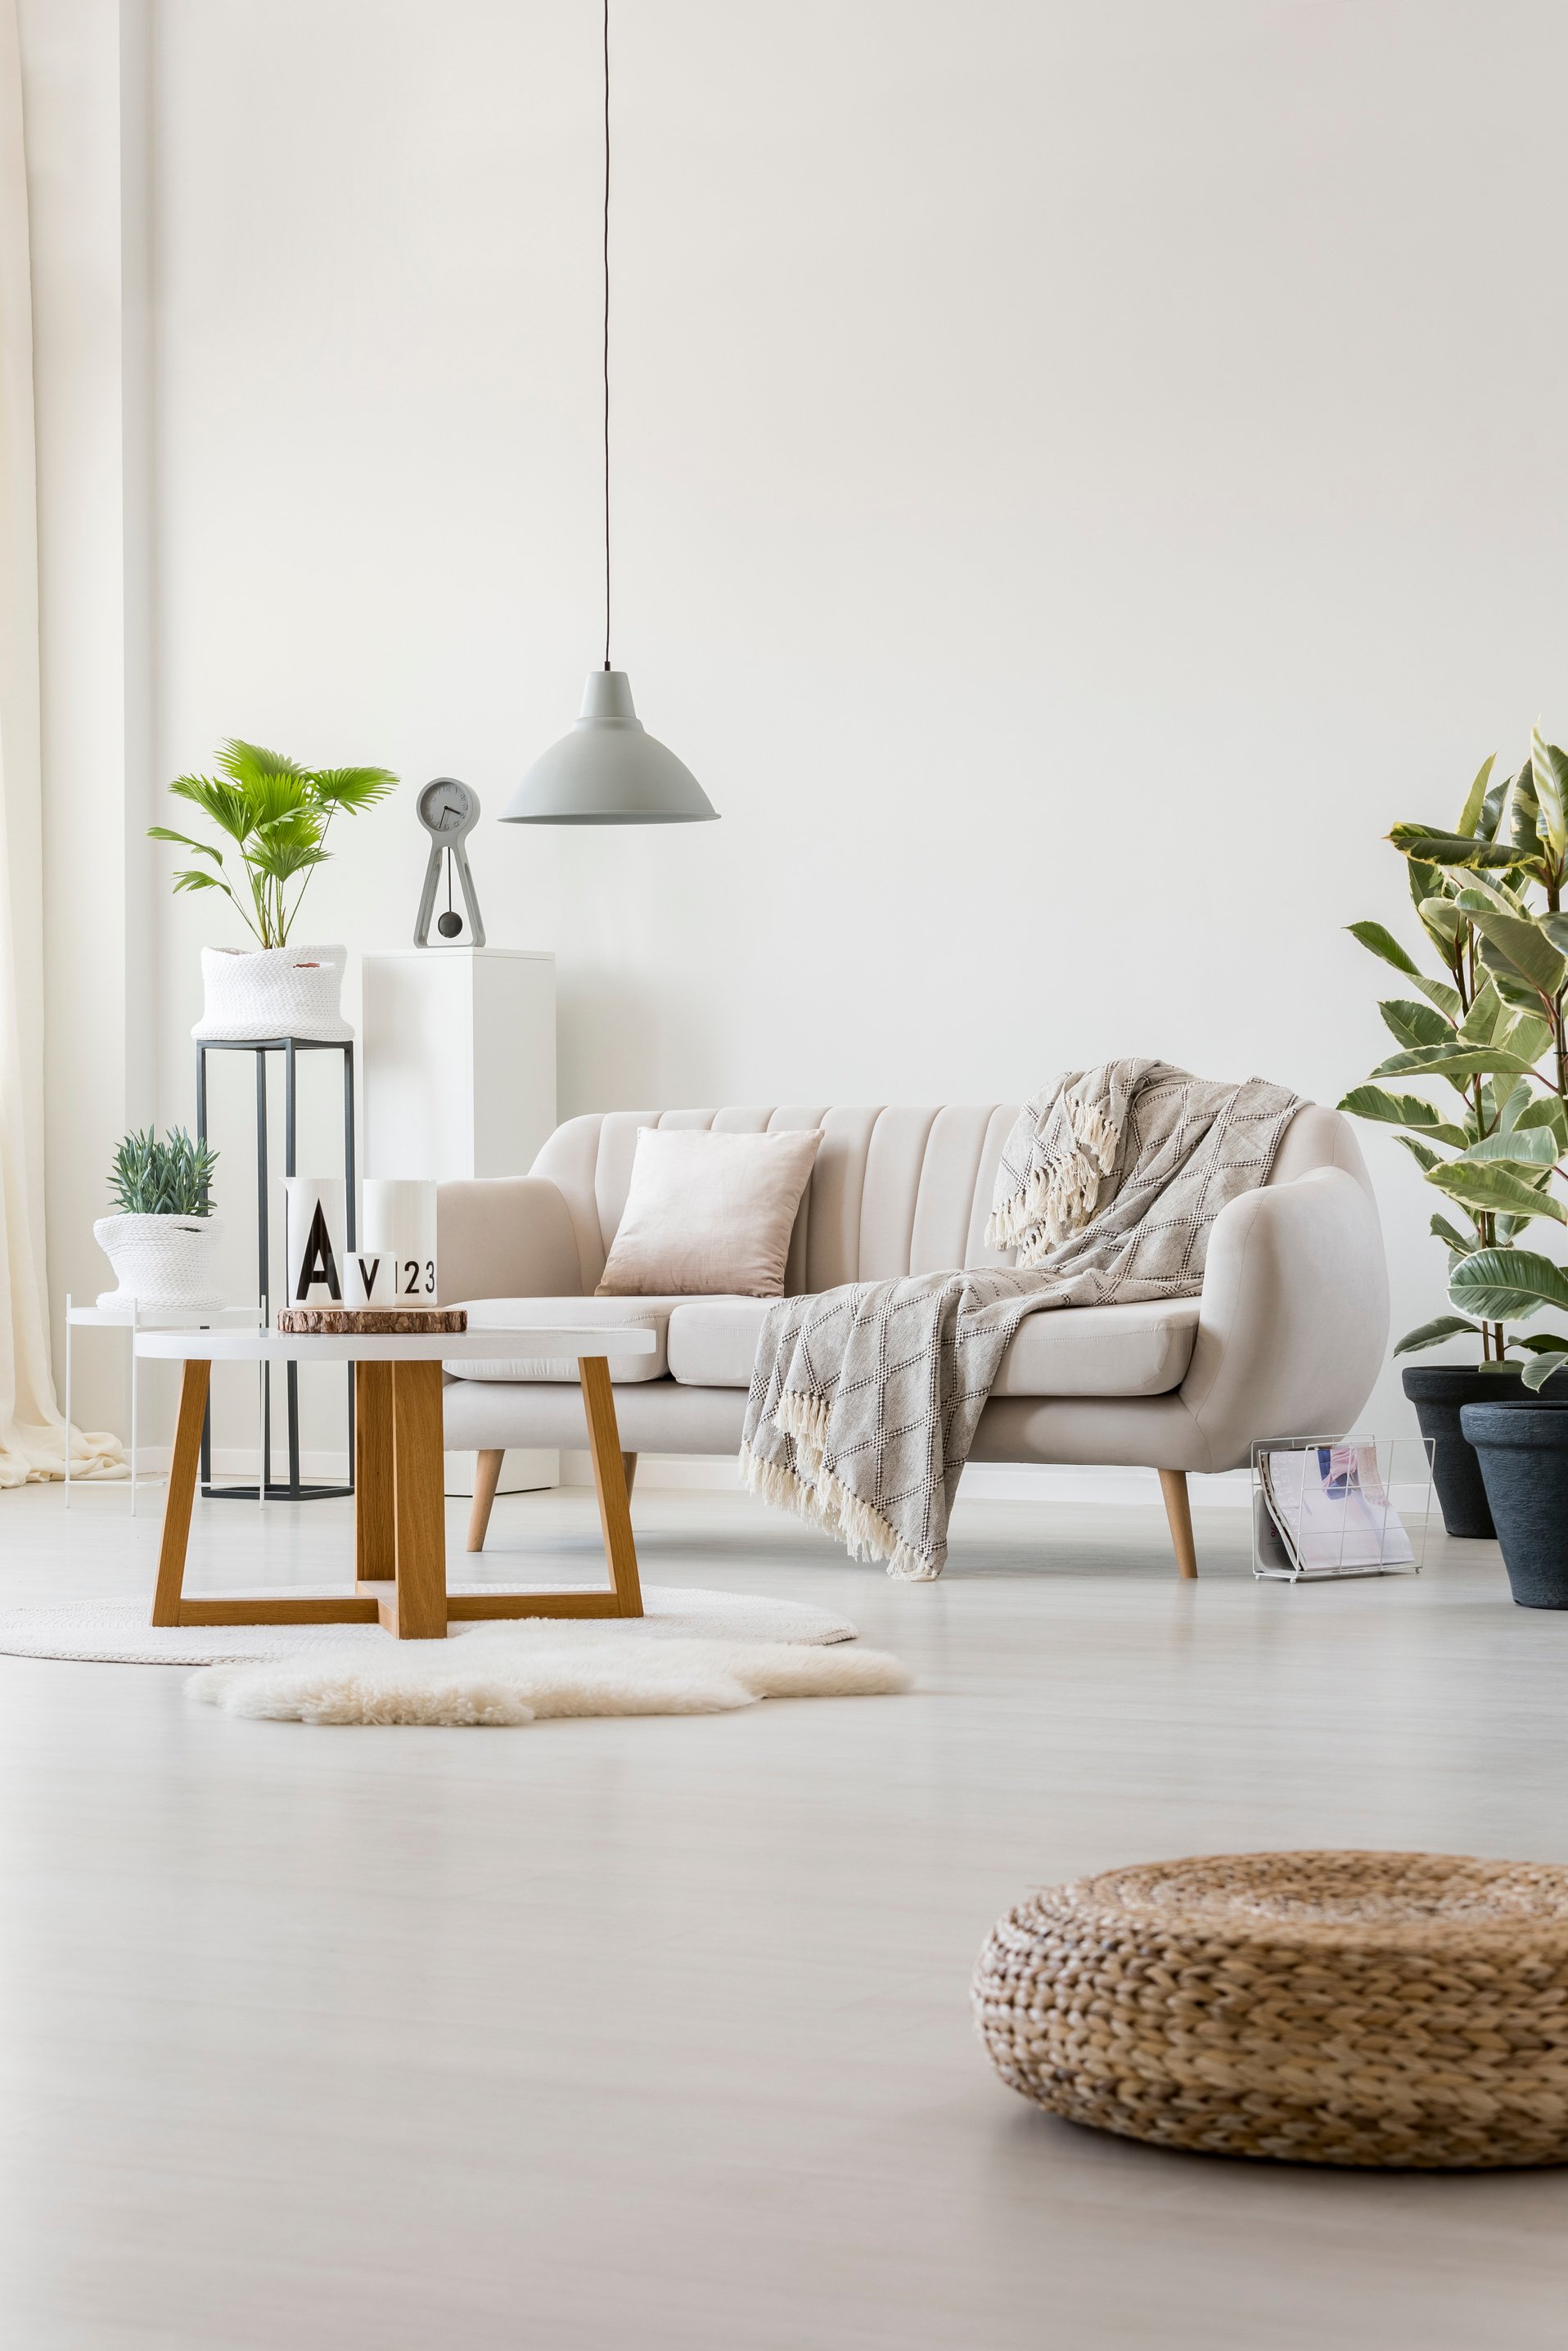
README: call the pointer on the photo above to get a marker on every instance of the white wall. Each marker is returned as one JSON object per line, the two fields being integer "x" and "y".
{"x": 1080, "y": 474}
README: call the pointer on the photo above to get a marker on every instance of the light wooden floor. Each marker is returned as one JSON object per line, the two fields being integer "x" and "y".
{"x": 653, "y": 2035}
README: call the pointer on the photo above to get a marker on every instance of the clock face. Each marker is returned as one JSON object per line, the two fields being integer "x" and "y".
{"x": 447, "y": 806}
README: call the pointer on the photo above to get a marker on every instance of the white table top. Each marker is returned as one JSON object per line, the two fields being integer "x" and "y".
{"x": 254, "y": 1346}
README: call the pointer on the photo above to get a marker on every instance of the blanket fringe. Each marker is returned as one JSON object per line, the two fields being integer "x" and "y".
{"x": 1059, "y": 1198}
{"x": 824, "y": 1500}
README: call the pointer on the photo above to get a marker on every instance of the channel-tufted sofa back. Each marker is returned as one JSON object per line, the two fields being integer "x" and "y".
{"x": 894, "y": 1190}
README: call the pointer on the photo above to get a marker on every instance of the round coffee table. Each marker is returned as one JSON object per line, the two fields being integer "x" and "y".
{"x": 399, "y": 1519}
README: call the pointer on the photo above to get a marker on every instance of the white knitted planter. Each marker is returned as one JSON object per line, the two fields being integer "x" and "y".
{"x": 165, "y": 1261}
{"x": 273, "y": 992}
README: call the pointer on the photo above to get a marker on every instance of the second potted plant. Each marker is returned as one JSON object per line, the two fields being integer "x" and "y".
{"x": 161, "y": 1240}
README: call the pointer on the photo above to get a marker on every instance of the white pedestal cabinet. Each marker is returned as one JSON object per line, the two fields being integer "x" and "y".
{"x": 459, "y": 1080}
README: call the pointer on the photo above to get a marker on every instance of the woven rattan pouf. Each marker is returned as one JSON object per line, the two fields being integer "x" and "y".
{"x": 1360, "y": 2008}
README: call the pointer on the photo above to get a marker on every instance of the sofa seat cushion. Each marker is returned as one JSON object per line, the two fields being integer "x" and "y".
{"x": 1077, "y": 1351}
{"x": 573, "y": 1314}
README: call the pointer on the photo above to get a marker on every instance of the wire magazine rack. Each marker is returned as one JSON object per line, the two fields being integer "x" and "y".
{"x": 1329, "y": 1506}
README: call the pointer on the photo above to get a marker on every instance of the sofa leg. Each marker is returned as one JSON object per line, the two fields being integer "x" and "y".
{"x": 486, "y": 1477}
{"x": 629, "y": 1471}
{"x": 1178, "y": 1514}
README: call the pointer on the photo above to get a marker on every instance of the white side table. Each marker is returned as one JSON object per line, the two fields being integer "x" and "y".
{"x": 400, "y": 1531}
{"x": 142, "y": 1318}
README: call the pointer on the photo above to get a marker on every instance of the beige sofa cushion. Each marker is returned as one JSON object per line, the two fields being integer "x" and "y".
{"x": 572, "y": 1314}
{"x": 1081, "y": 1351}
{"x": 708, "y": 1214}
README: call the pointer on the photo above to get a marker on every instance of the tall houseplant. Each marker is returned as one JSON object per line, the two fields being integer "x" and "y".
{"x": 1490, "y": 1032}
{"x": 275, "y": 815}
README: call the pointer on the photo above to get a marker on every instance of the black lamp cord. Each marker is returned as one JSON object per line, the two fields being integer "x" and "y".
{"x": 607, "y": 333}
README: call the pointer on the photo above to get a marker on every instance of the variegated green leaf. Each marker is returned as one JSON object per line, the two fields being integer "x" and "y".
{"x": 1432, "y": 1334}
{"x": 1475, "y": 799}
{"x": 1435, "y": 847}
{"x": 1403, "y": 1110}
{"x": 1461, "y": 1060}
{"x": 1522, "y": 946}
{"x": 1520, "y": 1146}
{"x": 1418, "y": 1024}
{"x": 1495, "y": 1187}
{"x": 1480, "y": 1024}
{"x": 1507, "y": 1285}
{"x": 1381, "y": 942}
{"x": 1548, "y": 1111}
{"x": 1549, "y": 768}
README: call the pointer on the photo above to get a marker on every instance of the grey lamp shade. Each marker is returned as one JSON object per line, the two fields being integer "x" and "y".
{"x": 608, "y": 770}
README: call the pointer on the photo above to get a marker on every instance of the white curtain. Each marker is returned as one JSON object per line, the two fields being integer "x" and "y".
{"x": 32, "y": 1434}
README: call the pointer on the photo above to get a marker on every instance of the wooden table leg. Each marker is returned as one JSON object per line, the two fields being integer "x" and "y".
{"x": 610, "y": 1482}
{"x": 417, "y": 1610}
{"x": 375, "y": 1483}
{"x": 182, "y": 1491}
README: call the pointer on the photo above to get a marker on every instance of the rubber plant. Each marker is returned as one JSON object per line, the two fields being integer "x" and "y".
{"x": 277, "y": 813}
{"x": 1488, "y": 897}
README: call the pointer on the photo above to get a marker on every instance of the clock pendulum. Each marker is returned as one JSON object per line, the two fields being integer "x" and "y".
{"x": 448, "y": 811}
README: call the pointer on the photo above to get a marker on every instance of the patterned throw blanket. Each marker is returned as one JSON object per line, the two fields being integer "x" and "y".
{"x": 865, "y": 1400}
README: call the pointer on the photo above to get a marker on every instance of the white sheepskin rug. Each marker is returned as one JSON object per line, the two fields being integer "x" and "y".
{"x": 531, "y": 1671}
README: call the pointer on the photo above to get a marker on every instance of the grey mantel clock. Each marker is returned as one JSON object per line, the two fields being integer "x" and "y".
{"x": 448, "y": 811}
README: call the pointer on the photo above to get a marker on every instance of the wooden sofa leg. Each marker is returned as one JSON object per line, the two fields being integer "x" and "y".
{"x": 486, "y": 1477}
{"x": 629, "y": 1471}
{"x": 1178, "y": 1515}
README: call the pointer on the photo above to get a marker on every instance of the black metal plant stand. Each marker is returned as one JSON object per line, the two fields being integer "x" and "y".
{"x": 294, "y": 1489}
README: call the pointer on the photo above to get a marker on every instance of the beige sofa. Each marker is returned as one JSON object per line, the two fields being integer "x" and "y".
{"x": 1286, "y": 1339}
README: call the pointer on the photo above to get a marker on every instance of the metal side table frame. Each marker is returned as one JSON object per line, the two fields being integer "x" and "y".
{"x": 266, "y": 1489}
{"x": 139, "y": 1318}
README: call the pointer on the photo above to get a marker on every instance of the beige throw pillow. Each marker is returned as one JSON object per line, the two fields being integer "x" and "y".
{"x": 708, "y": 1214}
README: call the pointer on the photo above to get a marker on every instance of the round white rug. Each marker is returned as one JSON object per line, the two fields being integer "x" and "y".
{"x": 116, "y": 1632}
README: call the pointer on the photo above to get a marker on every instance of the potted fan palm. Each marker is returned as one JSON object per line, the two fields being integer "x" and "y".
{"x": 277, "y": 814}
{"x": 1490, "y": 1032}
{"x": 161, "y": 1239}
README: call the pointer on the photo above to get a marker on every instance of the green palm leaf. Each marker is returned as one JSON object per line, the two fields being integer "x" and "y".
{"x": 352, "y": 789}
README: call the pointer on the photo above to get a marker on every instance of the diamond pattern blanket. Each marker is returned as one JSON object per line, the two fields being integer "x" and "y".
{"x": 865, "y": 1400}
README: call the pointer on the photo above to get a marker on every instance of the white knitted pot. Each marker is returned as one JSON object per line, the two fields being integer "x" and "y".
{"x": 273, "y": 992}
{"x": 165, "y": 1261}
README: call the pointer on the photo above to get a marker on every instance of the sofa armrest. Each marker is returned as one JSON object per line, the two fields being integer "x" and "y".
{"x": 1294, "y": 1315}
{"x": 504, "y": 1236}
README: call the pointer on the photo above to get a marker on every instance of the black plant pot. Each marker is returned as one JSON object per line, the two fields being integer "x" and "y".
{"x": 1440, "y": 1392}
{"x": 1524, "y": 1461}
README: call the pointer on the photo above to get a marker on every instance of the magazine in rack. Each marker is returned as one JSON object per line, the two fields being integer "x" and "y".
{"x": 1328, "y": 1511}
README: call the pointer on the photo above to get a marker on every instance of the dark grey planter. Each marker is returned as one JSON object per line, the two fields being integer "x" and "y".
{"x": 1523, "y": 1458}
{"x": 1440, "y": 1392}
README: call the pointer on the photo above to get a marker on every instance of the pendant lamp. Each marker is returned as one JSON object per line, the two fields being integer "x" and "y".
{"x": 609, "y": 770}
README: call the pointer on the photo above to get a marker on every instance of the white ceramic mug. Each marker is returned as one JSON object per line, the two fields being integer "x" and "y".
{"x": 314, "y": 1239}
{"x": 394, "y": 1264}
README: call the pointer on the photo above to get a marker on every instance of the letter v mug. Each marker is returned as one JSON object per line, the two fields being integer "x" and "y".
{"x": 394, "y": 1264}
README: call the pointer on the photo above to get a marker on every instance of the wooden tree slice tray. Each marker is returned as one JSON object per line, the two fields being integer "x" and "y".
{"x": 371, "y": 1322}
